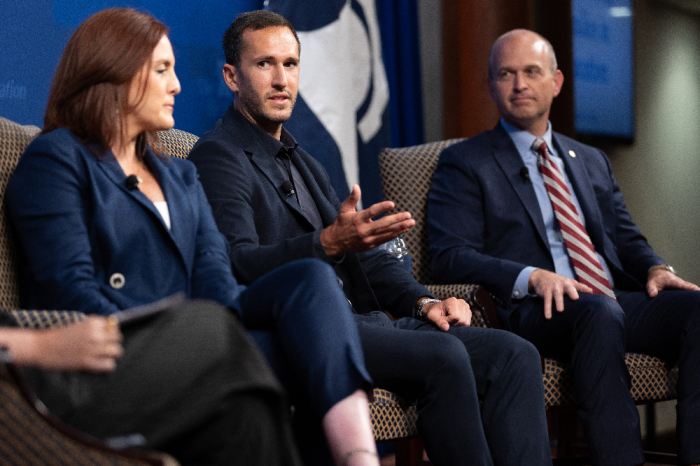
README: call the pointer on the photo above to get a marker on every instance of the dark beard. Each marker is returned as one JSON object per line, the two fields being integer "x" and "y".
{"x": 255, "y": 107}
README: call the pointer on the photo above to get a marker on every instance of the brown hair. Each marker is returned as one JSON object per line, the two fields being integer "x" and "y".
{"x": 90, "y": 90}
{"x": 255, "y": 20}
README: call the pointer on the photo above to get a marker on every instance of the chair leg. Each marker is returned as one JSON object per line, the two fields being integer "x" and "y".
{"x": 565, "y": 431}
{"x": 650, "y": 412}
{"x": 409, "y": 452}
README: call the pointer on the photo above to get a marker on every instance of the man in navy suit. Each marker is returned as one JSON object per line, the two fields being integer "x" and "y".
{"x": 493, "y": 220}
{"x": 274, "y": 203}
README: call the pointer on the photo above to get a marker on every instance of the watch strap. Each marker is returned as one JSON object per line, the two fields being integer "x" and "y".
{"x": 661, "y": 267}
{"x": 421, "y": 305}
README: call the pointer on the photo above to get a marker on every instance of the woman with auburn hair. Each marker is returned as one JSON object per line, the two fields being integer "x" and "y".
{"x": 106, "y": 222}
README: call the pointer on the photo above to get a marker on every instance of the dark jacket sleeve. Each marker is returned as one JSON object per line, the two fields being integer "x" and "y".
{"x": 458, "y": 224}
{"x": 211, "y": 275}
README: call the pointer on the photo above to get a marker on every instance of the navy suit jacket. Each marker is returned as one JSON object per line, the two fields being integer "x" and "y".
{"x": 266, "y": 228}
{"x": 485, "y": 225}
{"x": 77, "y": 225}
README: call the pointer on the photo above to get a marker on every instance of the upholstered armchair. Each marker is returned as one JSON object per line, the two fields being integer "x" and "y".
{"x": 29, "y": 434}
{"x": 406, "y": 176}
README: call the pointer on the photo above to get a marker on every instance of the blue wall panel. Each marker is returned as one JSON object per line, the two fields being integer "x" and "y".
{"x": 33, "y": 34}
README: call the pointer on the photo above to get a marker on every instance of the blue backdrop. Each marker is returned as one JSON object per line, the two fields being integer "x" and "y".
{"x": 33, "y": 34}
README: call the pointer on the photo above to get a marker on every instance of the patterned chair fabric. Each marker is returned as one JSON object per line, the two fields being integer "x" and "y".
{"x": 29, "y": 440}
{"x": 406, "y": 175}
{"x": 45, "y": 319}
{"x": 29, "y": 435}
{"x": 392, "y": 416}
{"x": 651, "y": 380}
{"x": 14, "y": 139}
{"x": 177, "y": 143}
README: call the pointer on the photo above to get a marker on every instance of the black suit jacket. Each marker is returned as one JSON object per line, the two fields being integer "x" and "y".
{"x": 267, "y": 228}
{"x": 485, "y": 224}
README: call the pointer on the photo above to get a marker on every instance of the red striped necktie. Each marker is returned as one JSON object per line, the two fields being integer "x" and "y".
{"x": 576, "y": 239}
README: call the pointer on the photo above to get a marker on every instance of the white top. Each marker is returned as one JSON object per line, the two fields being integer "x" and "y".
{"x": 162, "y": 207}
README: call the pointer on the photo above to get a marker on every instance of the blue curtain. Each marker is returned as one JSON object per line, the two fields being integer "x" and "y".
{"x": 398, "y": 20}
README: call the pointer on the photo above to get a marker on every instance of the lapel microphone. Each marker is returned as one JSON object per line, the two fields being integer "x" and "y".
{"x": 132, "y": 182}
{"x": 525, "y": 175}
{"x": 287, "y": 188}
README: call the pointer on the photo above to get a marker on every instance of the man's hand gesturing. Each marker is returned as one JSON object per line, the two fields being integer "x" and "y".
{"x": 355, "y": 231}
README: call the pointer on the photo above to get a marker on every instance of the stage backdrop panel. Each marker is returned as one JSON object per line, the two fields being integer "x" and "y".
{"x": 351, "y": 94}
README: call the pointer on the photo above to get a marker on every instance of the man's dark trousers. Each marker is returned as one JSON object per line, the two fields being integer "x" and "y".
{"x": 410, "y": 359}
{"x": 594, "y": 332}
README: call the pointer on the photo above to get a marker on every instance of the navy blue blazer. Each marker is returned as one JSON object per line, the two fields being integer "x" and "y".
{"x": 485, "y": 225}
{"x": 266, "y": 228}
{"x": 78, "y": 225}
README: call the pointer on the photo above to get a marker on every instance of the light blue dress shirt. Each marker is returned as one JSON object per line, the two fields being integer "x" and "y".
{"x": 562, "y": 264}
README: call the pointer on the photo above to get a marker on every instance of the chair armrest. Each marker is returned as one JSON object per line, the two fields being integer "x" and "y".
{"x": 479, "y": 300}
{"x": 44, "y": 439}
{"x": 45, "y": 319}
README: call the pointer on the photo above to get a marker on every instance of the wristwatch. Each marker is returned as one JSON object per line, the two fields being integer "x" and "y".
{"x": 421, "y": 304}
{"x": 661, "y": 267}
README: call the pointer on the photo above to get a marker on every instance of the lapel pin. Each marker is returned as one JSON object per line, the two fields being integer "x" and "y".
{"x": 572, "y": 153}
